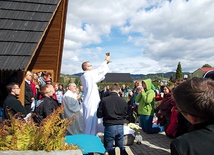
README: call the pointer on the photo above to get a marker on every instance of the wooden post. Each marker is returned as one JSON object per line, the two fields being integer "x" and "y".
{"x": 21, "y": 81}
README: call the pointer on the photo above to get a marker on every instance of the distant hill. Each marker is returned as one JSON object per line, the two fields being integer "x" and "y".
{"x": 140, "y": 76}
{"x": 136, "y": 76}
{"x": 78, "y": 74}
{"x": 155, "y": 76}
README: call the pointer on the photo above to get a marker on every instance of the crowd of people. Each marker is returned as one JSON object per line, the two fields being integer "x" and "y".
{"x": 41, "y": 96}
{"x": 185, "y": 109}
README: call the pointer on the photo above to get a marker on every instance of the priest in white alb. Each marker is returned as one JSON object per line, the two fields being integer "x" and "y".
{"x": 89, "y": 80}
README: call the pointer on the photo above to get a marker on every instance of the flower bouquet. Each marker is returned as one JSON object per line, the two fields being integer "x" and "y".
{"x": 134, "y": 127}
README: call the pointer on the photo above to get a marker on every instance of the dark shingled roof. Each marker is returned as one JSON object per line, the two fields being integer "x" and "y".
{"x": 22, "y": 25}
{"x": 118, "y": 77}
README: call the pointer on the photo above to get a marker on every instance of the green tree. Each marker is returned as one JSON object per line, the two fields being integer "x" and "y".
{"x": 206, "y": 66}
{"x": 77, "y": 82}
{"x": 179, "y": 73}
{"x": 68, "y": 82}
{"x": 61, "y": 79}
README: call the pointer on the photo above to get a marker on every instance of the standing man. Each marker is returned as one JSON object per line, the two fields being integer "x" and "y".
{"x": 113, "y": 110}
{"x": 91, "y": 93}
{"x": 29, "y": 97}
{"x": 11, "y": 103}
{"x": 72, "y": 107}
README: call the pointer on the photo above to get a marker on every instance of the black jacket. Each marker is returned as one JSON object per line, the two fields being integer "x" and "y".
{"x": 28, "y": 94}
{"x": 14, "y": 105}
{"x": 44, "y": 107}
{"x": 112, "y": 109}
{"x": 199, "y": 141}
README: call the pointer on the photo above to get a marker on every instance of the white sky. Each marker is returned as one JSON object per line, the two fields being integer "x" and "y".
{"x": 143, "y": 36}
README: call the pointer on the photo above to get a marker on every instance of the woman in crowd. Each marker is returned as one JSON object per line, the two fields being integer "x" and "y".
{"x": 165, "y": 107}
{"x": 58, "y": 92}
{"x": 178, "y": 125}
{"x": 145, "y": 98}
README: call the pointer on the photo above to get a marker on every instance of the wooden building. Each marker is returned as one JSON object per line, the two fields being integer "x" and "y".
{"x": 118, "y": 77}
{"x": 200, "y": 72}
{"x": 31, "y": 38}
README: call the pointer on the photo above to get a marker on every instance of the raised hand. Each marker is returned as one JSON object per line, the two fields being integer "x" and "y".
{"x": 107, "y": 57}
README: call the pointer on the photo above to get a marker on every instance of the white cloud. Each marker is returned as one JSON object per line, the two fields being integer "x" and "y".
{"x": 158, "y": 32}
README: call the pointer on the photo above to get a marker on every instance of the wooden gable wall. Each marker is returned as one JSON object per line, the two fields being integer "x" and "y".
{"x": 48, "y": 56}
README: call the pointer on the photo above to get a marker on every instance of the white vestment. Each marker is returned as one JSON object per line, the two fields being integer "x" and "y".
{"x": 91, "y": 98}
{"x": 71, "y": 108}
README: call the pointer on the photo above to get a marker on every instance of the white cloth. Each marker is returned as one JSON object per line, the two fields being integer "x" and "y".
{"x": 33, "y": 105}
{"x": 91, "y": 98}
{"x": 71, "y": 108}
{"x": 128, "y": 130}
{"x": 28, "y": 116}
{"x": 59, "y": 96}
{"x": 27, "y": 81}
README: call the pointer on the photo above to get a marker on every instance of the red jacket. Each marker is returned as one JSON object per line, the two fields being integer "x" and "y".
{"x": 173, "y": 126}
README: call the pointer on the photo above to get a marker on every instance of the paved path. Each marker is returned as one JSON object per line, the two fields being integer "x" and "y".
{"x": 152, "y": 144}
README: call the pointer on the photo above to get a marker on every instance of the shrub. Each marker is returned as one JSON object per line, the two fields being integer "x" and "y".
{"x": 18, "y": 134}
